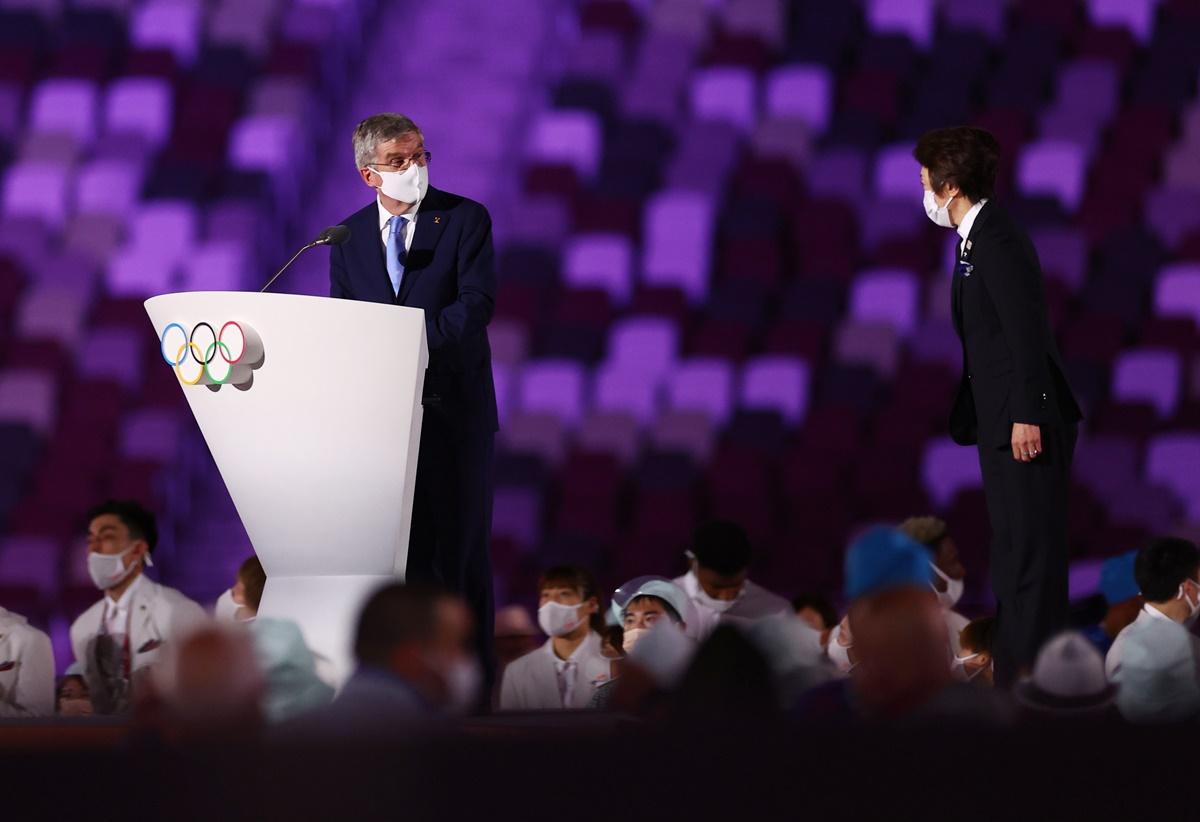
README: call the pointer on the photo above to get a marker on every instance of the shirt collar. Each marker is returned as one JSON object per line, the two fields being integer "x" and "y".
{"x": 125, "y": 598}
{"x": 385, "y": 215}
{"x": 1154, "y": 612}
{"x": 964, "y": 228}
{"x": 590, "y": 645}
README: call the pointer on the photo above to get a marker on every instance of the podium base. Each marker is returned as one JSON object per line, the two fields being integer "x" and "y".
{"x": 326, "y": 608}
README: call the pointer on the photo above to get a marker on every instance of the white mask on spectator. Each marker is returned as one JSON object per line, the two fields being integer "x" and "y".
{"x": 1193, "y": 607}
{"x": 107, "y": 570}
{"x": 838, "y": 653}
{"x": 960, "y": 667}
{"x": 463, "y": 680}
{"x": 718, "y": 605}
{"x": 225, "y": 609}
{"x": 954, "y": 589}
{"x": 632, "y": 635}
{"x": 556, "y": 619}
{"x": 939, "y": 214}
{"x": 408, "y": 186}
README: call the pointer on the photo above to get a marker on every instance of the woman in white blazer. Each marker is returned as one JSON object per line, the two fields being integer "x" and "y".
{"x": 26, "y": 668}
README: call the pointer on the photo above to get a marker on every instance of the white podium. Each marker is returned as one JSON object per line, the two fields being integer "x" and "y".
{"x": 311, "y": 407}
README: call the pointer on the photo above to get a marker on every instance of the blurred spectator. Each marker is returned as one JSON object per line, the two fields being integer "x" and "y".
{"x": 292, "y": 684}
{"x": 1121, "y": 595}
{"x": 728, "y": 680}
{"x": 565, "y": 671}
{"x": 124, "y": 631}
{"x": 1067, "y": 681}
{"x": 948, "y": 570}
{"x": 974, "y": 661}
{"x": 717, "y": 582}
{"x": 416, "y": 663}
{"x": 794, "y": 654}
{"x": 516, "y": 635}
{"x": 71, "y": 699}
{"x": 642, "y": 602}
{"x": 240, "y": 603}
{"x": 817, "y": 613}
{"x": 1155, "y": 659}
{"x": 26, "y": 668}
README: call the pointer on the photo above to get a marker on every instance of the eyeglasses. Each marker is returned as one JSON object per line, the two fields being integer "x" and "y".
{"x": 421, "y": 158}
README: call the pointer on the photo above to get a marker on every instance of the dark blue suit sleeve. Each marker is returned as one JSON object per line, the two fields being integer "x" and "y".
{"x": 472, "y": 311}
{"x": 337, "y": 274}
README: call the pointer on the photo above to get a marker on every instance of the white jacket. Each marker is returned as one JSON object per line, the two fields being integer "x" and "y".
{"x": 531, "y": 682}
{"x": 26, "y": 668}
{"x": 755, "y": 603}
{"x": 158, "y": 614}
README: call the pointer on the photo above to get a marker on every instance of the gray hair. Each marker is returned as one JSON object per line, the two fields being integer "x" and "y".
{"x": 376, "y": 129}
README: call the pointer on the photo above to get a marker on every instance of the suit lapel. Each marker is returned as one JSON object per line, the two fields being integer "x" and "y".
{"x": 432, "y": 219}
{"x": 956, "y": 290}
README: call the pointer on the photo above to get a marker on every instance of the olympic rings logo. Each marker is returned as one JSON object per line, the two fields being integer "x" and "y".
{"x": 205, "y": 356}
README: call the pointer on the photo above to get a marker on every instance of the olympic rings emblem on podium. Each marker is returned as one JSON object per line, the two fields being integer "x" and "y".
{"x": 206, "y": 356}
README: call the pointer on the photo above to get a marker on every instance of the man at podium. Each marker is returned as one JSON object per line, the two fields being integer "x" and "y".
{"x": 417, "y": 246}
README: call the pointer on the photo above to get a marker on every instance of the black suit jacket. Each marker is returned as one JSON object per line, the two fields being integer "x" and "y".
{"x": 449, "y": 273}
{"x": 1012, "y": 371}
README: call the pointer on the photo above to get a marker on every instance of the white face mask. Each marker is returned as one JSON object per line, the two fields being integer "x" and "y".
{"x": 632, "y": 636}
{"x": 107, "y": 570}
{"x": 556, "y": 619}
{"x": 954, "y": 589}
{"x": 960, "y": 668}
{"x": 408, "y": 186}
{"x": 718, "y": 605}
{"x": 463, "y": 680}
{"x": 225, "y": 609}
{"x": 1193, "y": 607}
{"x": 939, "y": 214}
{"x": 838, "y": 653}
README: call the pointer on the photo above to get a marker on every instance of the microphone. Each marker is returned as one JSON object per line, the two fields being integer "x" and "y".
{"x": 334, "y": 235}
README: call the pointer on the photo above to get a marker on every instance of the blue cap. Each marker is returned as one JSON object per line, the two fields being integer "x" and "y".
{"x": 885, "y": 558}
{"x": 1116, "y": 578}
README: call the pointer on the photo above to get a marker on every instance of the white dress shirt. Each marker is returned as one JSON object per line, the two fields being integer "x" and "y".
{"x": 385, "y": 217}
{"x": 116, "y": 613}
{"x": 968, "y": 220}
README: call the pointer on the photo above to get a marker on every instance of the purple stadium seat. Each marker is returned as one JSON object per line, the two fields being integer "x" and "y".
{"x": 53, "y": 311}
{"x": 1062, "y": 125}
{"x": 36, "y": 190}
{"x": 1063, "y": 255}
{"x": 1090, "y": 90}
{"x": 763, "y": 19}
{"x": 166, "y": 229}
{"x": 597, "y": 55}
{"x": 895, "y": 219}
{"x": 626, "y": 389}
{"x": 553, "y": 387}
{"x": 1181, "y": 166}
{"x": 1173, "y": 213}
{"x": 837, "y": 172}
{"x": 912, "y": 18}
{"x": 517, "y": 515}
{"x": 114, "y": 353}
{"x": 1171, "y": 461}
{"x": 569, "y": 138}
{"x": 108, "y": 187}
{"x": 509, "y": 341}
{"x": 602, "y": 261}
{"x": 62, "y": 105}
{"x": 1053, "y": 168}
{"x": 279, "y": 96}
{"x": 1149, "y": 375}
{"x": 935, "y": 341}
{"x": 234, "y": 220}
{"x": 93, "y": 237}
{"x": 243, "y": 24}
{"x": 685, "y": 432}
{"x": 897, "y": 174}
{"x": 678, "y": 241}
{"x": 801, "y": 92}
{"x": 31, "y": 561}
{"x": 784, "y": 138}
{"x": 28, "y": 397}
{"x": 650, "y": 344}
{"x": 140, "y": 106}
{"x": 264, "y": 142}
{"x": 776, "y": 383}
{"x": 984, "y": 16}
{"x": 11, "y": 120}
{"x": 140, "y": 272}
{"x": 886, "y": 296}
{"x": 502, "y": 377}
{"x": 872, "y": 344}
{"x": 1135, "y": 15}
{"x": 150, "y": 434}
{"x": 702, "y": 384}
{"x": 1177, "y": 291}
{"x": 215, "y": 266}
{"x": 168, "y": 24}
{"x": 610, "y": 433}
{"x": 660, "y": 74}
{"x": 1145, "y": 506}
{"x": 725, "y": 94}
{"x": 946, "y": 469}
{"x": 545, "y": 221}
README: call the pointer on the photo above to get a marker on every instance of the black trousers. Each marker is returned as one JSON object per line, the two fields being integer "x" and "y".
{"x": 450, "y": 539}
{"x": 1027, "y": 505}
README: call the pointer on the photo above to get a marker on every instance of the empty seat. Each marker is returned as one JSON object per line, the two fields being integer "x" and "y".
{"x": 912, "y": 18}
{"x": 946, "y": 469}
{"x": 622, "y": 388}
{"x": 517, "y": 515}
{"x": 1173, "y": 214}
{"x": 763, "y": 19}
{"x": 1171, "y": 461}
{"x": 786, "y": 138}
{"x": 1053, "y": 168}
{"x": 686, "y": 432}
{"x": 265, "y": 142}
{"x": 702, "y": 384}
{"x": 219, "y": 265}
{"x": 610, "y": 432}
{"x": 1090, "y": 90}
{"x": 1177, "y": 291}
{"x": 150, "y": 434}
{"x": 553, "y": 387}
{"x": 650, "y": 344}
{"x": 535, "y": 433}
{"x": 31, "y": 561}
{"x": 897, "y": 173}
{"x": 139, "y": 106}
{"x": 678, "y": 242}
{"x": 53, "y": 311}
{"x": 886, "y": 296}
{"x": 871, "y": 344}
{"x": 800, "y": 92}
{"x": 108, "y": 186}
{"x": 776, "y": 383}
{"x": 600, "y": 261}
{"x": 114, "y": 353}
{"x": 165, "y": 229}
{"x": 838, "y": 172}
{"x": 1137, "y": 16}
{"x": 725, "y": 94}
{"x": 36, "y": 189}
{"x": 567, "y": 137}
{"x": 173, "y": 25}
{"x": 28, "y": 397}
{"x": 63, "y": 105}
{"x": 1062, "y": 253}
{"x": 1151, "y": 376}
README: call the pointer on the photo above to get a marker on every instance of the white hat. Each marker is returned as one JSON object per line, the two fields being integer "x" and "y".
{"x": 1068, "y": 677}
{"x": 660, "y": 587}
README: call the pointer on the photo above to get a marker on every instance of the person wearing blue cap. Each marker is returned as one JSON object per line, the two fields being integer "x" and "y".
{"x": 1121, "y": 595}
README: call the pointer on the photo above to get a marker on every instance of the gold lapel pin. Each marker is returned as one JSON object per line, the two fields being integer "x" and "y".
{"x": 437, "y": 219}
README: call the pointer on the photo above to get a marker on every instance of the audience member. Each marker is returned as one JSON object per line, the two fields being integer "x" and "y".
{"x": 240, "y": 603}
{"x": 949, "y": 573}
{"x": 125, "y": 630}
{"x": 793, "y": 651}
{"x": 817, "y": 613}
{"x": 728, "y": 680}
{"x": 1067, "y": 681}
{"x": 1122, "y": 599}
{"x": 26, "y": 668}
{"x": 72, "y": 699}
{"x": 974, "y": 661}
{"x": 717, "y": 582}
{"x": 292, "y": 684}
{"x": 565, "y": 671}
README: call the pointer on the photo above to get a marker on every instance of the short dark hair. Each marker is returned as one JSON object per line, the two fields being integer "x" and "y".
{"x": 962, "y": 156}
{"x": 1162, "y": 566}
{"x": 133, "y": 515}
{"x": 672, "y": 614}
{"x": 254, "y": 579}
{"x": 579, "y": 579}
{"x": 721, "y": 547}
{"x": 979, "y": 634}
{"x": 819, "y": 604}
{"x": 395, "y": 615}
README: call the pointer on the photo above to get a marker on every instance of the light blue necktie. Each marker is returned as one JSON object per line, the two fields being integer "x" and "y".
{"x": 395, "y": 251}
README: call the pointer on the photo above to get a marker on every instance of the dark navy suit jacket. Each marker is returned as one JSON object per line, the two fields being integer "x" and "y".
{"x": 449, "y": 272}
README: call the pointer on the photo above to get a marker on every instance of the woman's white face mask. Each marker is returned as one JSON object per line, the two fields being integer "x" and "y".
{"x": 940, "y": 214}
